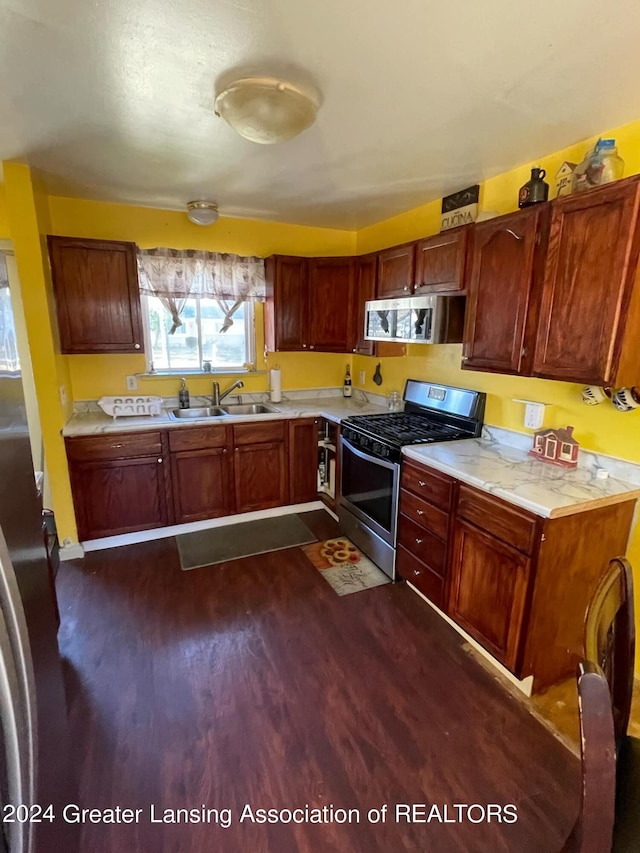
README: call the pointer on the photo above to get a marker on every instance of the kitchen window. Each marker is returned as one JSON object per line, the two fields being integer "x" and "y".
{"x": 197, "y": 309}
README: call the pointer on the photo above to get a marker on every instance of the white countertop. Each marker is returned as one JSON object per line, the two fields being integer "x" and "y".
{"x": 510, "y": 473}
{"x": 332, "y": 408}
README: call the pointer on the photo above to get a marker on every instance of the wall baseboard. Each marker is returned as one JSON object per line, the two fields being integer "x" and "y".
{"x": 71, "y": 551}
{"x": 76, "y": 550}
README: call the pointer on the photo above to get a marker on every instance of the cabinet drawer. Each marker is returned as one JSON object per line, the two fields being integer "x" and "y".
{"x": 514, "y": 526}
{"x": 262, "y": 433}
{"x": 428, "y": 484}
{"x": 198, "y": 438}
{"x": 423, "y": 544}
{"x": 421, "y": 576}
{"x": 115, "y": 446}
{"x": 424, "y": 514}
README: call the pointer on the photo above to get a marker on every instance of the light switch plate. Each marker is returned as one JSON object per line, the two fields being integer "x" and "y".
{"x": 132, "y": 383}
{"x": 362, "y": 378}
{"x": 63, "y": 395}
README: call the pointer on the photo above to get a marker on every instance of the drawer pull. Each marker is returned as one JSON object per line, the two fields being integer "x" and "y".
{"x": 421, "y": 483}
{"x": 115, "y": 446}
{"x": 136, "y": 346}
{"x": 419, "y": 512}
{"x": 159, "y": 458}
{"x": 416, "y": 572}
{"x": 418, "y": 541}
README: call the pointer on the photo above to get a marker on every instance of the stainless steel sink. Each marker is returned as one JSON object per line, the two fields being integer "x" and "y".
{"x": 249, "y": 409}
{"x": 206, "y": 412}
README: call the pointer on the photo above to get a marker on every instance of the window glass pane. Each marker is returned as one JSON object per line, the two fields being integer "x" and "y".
{"x": 9, "y": 360}
{"x": 200, "y": 337}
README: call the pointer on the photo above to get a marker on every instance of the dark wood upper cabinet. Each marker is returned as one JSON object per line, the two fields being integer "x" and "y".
{"x": 286, "y": 311}
{"x": 502, "y": 308}
{"x": 331, "y": 282}
{"x": 97, "y": 298}
{"x": 364, "y": 291}
{"x": 396, "y": 271}
{"x": 590, "y": 310}
{"x": 303, "y": 460}
{"x": 440, "y": 262}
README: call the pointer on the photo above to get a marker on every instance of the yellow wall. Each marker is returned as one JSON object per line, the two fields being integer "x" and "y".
{"x": 29, "y": 223}
{"x": 5, "y": 231}
{"x": 95, "y": 375}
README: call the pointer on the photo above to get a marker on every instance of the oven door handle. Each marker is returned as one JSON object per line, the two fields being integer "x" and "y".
{"x": 367, "y": 457}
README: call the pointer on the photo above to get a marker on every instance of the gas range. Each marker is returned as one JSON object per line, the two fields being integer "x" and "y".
{"x": 432, "y": 413}
{"x": 370, "y": 452}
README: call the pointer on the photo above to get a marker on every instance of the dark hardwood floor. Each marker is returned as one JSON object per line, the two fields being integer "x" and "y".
{"x": 253, "y": 683}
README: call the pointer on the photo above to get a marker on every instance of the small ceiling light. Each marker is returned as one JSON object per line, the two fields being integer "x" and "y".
{"x": 202, "y": 212}
{"x": 267, "y": 110}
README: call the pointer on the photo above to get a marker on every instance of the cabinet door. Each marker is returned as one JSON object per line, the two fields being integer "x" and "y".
{"x": 97, "y": 297}
{"x": 589, "y": 275}
{"x": 489, "y": 584}
{"x": 396, "y": 271}
{"x": 330, "y": 302}
{"x": 501, "y": 306}
{"x": 261, "y": 476}
{"x": 286, "y": 308}
{"x": 303, "y": 460}
{"x": 202, "y": 484}
{"x": 440, "y": 262}
{"x": 119, "y": 496}
{"x": 364, "y": 290}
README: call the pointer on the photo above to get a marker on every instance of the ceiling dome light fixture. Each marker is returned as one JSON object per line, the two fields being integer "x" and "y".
{"x": 202, "y": 212}
{"x": 266, "y": 109}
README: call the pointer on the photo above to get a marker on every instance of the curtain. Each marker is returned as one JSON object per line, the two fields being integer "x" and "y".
{"x": 175, "y": 275}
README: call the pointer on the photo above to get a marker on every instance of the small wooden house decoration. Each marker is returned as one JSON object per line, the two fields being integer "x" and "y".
{"x": 563, "y": 178}
{"x": 557, "y": 446}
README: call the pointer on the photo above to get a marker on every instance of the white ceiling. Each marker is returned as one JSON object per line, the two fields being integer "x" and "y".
{"x": 113, "y": 99}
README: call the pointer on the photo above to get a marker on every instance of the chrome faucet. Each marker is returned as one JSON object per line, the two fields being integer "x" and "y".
{"x": 218, "y": 397}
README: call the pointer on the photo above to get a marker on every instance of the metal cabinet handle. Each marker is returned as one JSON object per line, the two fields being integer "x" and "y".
{"x": 115, "y": 446}
{"x": 416, "y": 572}
{"x": 421, "y": 483}
{"x": 136, "y": 346}
{"x": 311, "y": 346}
{"x": 159, "y": 458}
{"x": 406, "y": 287}
{"x": 418, "y": 541}
{"x": 465, "y": 358}
{"x": 513, "y": 234}
{"x": 304, "y": 346}
{"x": 225, "y": 450}
{"x": 419, "y": 512}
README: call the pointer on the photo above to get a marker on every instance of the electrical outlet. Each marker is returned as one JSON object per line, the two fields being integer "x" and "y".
{"x": 362, "y": 377}
{"x": 63, "y": 395}
{"x": 132, "y": 383}
{"x": 533, "y": 415}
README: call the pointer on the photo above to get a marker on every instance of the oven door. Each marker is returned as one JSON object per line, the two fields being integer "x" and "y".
{"x": 370, "y": 490}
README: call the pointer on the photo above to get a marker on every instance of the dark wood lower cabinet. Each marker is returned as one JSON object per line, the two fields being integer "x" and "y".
{"x": 119, "y": 496}
{"x": 516, "y": 582}
{"x": 202, "y": 484}
{"x": 260, "y": 476}
{"x": 303, "y": 460}
{"x": 489, "y": 582}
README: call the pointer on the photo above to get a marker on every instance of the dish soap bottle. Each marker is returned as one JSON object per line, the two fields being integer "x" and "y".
{"x": 183, "y": 395}
{"x": 535, "y": 190}
{"x": 346, "y": 388}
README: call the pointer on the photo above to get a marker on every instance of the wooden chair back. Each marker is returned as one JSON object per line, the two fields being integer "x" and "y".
{"x": 593, "y": 831}
{"x": 610, "y": 639}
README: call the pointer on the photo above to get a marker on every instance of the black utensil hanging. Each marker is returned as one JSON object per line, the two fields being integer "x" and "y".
{"x": 377, "y": 376}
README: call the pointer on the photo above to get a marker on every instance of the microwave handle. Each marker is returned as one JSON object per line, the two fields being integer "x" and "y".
{"x": 367, "y": 457}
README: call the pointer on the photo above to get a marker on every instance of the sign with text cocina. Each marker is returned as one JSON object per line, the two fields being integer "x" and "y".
{"x": 460, "y": 208}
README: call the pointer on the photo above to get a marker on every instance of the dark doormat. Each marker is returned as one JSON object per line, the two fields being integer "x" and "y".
{"x": 207, "y": 547}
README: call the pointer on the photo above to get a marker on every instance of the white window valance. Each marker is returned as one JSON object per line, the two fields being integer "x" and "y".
{"x": 190, "y": 273}
{"x": 175, "y": 275}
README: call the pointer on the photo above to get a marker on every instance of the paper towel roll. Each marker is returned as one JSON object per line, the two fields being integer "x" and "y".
{"x": 275, "y": 384}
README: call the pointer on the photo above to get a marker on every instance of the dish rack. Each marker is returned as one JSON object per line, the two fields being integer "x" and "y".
{"x": 128, "y": 407}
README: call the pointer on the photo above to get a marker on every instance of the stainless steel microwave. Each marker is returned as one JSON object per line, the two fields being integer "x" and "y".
{"x": 415, "y": 319}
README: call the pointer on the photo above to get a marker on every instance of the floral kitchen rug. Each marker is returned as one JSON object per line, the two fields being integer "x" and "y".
{"x": 343, "y": 566}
